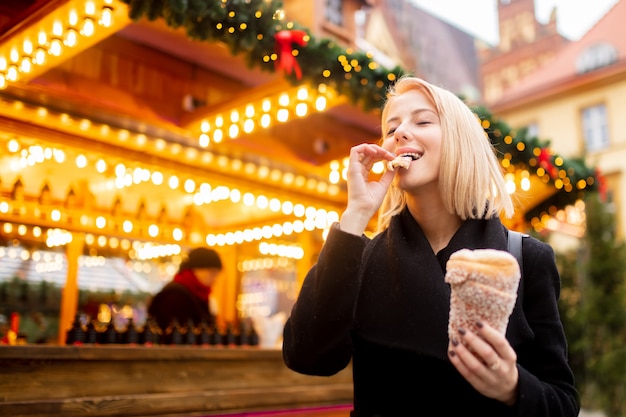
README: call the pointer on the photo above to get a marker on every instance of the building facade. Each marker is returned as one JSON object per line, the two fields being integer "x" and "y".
{"x": 425, "y": 45}
{"x": 576, "y": 100}
{"x": 525, "y": 45}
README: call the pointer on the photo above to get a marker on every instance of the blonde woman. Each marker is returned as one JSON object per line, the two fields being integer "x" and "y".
{"x": 382, "y": 302}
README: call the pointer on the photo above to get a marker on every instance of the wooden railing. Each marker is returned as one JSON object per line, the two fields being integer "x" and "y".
{"x": 40, "y": 380}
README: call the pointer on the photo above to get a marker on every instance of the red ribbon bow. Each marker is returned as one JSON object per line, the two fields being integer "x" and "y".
{"x": 284, "y": 41}
{"x": 545, "y": 163}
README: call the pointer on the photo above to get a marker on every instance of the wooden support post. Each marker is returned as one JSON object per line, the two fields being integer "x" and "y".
{"x": 69, "y": 295}
{"x": 227, "y": 286}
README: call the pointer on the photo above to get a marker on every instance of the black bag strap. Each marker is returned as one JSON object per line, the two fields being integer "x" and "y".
{"x": 515, "y": 247}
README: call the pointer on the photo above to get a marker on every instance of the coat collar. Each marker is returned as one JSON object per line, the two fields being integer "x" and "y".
{"x": 473, "y": 234}
{"x": 402, "y": 281}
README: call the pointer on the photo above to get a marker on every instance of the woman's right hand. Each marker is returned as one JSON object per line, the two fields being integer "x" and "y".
{"x": 364, "y": 196}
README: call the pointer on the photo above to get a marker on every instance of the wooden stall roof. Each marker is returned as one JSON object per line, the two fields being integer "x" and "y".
{"x": 98, "y": 131}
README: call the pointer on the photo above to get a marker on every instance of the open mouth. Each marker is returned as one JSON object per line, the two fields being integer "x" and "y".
{"x": 413, "y": 156}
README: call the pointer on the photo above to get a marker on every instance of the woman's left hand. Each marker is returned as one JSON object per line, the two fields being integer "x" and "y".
{"x": 487, "y": 361}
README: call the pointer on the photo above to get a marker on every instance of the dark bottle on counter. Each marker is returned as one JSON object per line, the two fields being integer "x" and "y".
{"x": 109, "y": 335}
{"x": 253, "y": 337}
{"x": 247, "y": 335}
{"x": 242, "y": 337}
{"x": 228, "y": 338}
{"x": 76, "y": 334}
{"x": 204, "y": 334}
{"x": 151, "y": 333}
{"x": 216, "y": 336}
{"x": 190, "y": 333}
{"x": 91, "y": 333}
{"x": 131, "y": 335}
{"x": 174, "y": 334}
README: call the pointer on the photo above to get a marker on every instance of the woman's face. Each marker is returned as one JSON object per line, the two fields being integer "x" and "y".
{"x": 412, "y": 128}
{"x": 206, "y": 276}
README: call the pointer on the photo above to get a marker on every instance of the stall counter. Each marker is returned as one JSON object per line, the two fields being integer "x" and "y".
{"x": 172, "y": 381}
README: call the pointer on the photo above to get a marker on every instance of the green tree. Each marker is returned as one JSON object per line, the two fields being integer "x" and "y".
{"x": 593, "y": 308}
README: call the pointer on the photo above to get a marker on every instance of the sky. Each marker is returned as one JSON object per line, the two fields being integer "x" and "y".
{"x": 479, "y": 17}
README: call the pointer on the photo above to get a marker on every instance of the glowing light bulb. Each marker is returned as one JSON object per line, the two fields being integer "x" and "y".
{"x": 27, "y": 47}
{"x": 57, "y": 29}
{"x": 25, "y": 65}
{"x": 55, "y": 48}
{"x": 106, "y": 18}
{"x": 88, "y": 28}
{"x": 12, "y": 73}
{"x": 71, "y": 38}
{"x": 40, "y": 56}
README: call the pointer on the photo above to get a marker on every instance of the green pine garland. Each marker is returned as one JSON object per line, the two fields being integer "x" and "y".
{"x": 525, "y": 152}
{"x": 250, "y": 26}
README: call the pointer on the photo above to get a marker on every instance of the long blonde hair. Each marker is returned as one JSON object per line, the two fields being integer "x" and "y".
{"x": 471, "y": 180}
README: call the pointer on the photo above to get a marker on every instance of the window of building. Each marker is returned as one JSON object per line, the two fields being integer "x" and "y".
{"x": 596, "y": 56}
{"x": 595, "y": 129}
{"x": 334, "y": 12}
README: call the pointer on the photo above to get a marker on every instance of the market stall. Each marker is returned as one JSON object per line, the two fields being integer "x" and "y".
{"x": 133, "y": 141}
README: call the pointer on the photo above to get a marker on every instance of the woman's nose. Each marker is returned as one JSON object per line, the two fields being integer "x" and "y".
{"x": 400, "y": 134}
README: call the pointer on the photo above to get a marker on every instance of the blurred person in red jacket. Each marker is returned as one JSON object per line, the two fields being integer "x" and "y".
{"x": 187, "y": 297}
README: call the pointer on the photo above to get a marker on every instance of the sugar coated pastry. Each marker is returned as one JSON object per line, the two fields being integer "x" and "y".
{"x": 483, "y": 285}
{"x": 399, "y": 161}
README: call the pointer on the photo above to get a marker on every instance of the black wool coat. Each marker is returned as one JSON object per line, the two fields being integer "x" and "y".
{"x": 383, "y": 304}
{"x": 177, "y": 302}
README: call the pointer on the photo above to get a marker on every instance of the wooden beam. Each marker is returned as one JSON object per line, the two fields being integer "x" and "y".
{"x": 69, "y": 294}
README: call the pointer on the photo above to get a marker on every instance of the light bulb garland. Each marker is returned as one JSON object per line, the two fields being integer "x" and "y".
{"x": 517, "y": 150}
{"x": 256, "y": 28}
